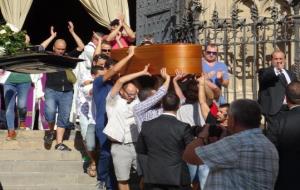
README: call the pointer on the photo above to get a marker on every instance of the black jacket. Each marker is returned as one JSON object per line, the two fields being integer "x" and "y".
{"x": 163, "y": 140}
{"x": 271, "y": 90}
{"x": 284, "y": 132}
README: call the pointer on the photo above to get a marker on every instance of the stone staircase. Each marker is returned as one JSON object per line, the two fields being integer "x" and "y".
{"x": 26, "y": 164}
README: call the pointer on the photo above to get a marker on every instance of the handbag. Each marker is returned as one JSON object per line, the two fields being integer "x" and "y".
{"x": 70, "y": 76}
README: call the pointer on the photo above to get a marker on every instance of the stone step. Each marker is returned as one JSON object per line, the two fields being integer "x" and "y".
{"x": 51, "y": 187}
{"x": 40, "y": 155}
{"x": 19, "y": 166}
{"x": 39, "y": 134}
{"x": 38, "y": 144}
{"x": 42, "y": 178}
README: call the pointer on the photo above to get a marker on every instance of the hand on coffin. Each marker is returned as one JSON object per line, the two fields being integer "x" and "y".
{"x": 164, "y": 74}
{"x": 178, "y": 75}
{"x": 145, "y": 71}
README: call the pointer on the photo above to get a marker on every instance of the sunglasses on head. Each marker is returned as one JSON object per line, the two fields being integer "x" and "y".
{"x": 212, "y": 52}
{"x": 106, "y": 50}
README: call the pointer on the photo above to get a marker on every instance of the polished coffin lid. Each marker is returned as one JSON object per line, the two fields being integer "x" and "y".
{"x": 35, "y": 63}
{"x": 186, "y": 57}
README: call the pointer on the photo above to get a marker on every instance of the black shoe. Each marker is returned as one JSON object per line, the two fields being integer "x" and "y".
{"x": 48, "y": 138}
{"x": 62, "y": 147}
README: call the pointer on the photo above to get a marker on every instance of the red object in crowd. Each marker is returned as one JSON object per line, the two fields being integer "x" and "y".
{"x": 214, "y": 109}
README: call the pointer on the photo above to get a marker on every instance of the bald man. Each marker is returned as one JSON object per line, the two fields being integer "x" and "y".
{"x": 59, "y": 94}
{"x": 272, "y": 83}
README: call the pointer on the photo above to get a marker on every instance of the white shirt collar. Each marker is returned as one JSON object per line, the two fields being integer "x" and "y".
{"x": 170, "y": 114}
{"x": 294, "y": 106}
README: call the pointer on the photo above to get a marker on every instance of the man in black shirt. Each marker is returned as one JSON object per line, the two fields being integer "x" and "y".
{"x": 59, "y": 93}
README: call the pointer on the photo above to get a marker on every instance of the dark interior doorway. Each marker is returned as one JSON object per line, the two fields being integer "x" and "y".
{"x": 46, "y": 13}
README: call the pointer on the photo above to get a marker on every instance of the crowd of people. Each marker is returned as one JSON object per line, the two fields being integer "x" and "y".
{"x": 177, "y": 132}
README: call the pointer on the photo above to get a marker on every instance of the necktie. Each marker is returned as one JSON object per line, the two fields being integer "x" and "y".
{"x": 282, "y": 78}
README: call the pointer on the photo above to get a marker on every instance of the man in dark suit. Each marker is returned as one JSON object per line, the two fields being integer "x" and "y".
{"x": 272, "y": 83}
{"x": 284, "y": 132}
{"x": 163, "y": 140}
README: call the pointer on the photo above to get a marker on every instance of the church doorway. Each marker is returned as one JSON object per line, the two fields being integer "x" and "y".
{"x": 46, "y": 13}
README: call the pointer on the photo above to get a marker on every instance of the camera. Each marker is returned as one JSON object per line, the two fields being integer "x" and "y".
{"x": 215, "y": 131}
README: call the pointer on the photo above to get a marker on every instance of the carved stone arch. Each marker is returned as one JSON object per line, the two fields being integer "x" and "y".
{"x": 283, "y": 7}
{"x": 245, "y": 7}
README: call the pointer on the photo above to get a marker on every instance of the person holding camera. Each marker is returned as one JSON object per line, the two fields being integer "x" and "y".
{"x": 245, "y": 159}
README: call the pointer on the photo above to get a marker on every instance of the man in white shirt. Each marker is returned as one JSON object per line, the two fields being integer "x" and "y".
{"x": 121, "y": 127}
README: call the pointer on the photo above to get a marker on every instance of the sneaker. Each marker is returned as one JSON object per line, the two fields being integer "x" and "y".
{"x": 62, "y": 147}
{"x": 11, "y": 135}
{"x": 22, "y": 126}
{"x": 48, "y": 138}
{"x": 101, "y": 185}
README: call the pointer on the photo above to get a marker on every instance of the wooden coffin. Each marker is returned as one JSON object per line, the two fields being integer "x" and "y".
{"x": 186, "y": 57}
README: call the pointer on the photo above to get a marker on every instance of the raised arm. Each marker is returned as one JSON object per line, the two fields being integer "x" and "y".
{"x": 166, "y": 76}
{"x": 98, "y": 48}
{"x": 80, "y": 44}
{"x": 111, "y": 36}
{"x": 214, "y": 88}
{"x": 118, "y": 39}
{"x": 127, "y": 29}
{"x": 202, "y": 97}
{"x": 179, "y": 75}
{"x": 117, "y": 67}
{"x": 49, "y": 40}
{"x": 118, "y": 85}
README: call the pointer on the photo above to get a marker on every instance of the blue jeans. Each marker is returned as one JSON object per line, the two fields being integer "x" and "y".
{"x": 11, "y": 91}
{"x": 105, "y": 171}
{"x": 60, "y": 103}
{"x": 199, "y": 173}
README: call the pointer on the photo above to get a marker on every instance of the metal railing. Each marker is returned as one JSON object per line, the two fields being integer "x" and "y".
{"x": 245, "y": 45}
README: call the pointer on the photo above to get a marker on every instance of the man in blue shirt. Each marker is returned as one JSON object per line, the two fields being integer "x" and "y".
{"x": 101, "y": 88}
{"x": 215, "y": 70}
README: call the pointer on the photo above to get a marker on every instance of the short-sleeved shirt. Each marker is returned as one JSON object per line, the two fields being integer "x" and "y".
{"x": 218, "y": 66}
{"x": 100, "y": 91}
{"x": 191, "y": 114}
{"x": 121, "y": 125}
{"x": 245, "y": 160}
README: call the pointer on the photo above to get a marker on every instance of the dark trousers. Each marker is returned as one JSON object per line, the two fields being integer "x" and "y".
{"x": 166, "y": 187}
{"x": 105, "y": 170}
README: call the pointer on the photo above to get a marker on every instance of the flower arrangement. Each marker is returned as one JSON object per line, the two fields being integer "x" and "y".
{"x": 11, "y": 42}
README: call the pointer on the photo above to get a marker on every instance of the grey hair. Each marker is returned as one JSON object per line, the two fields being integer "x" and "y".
{"x": 246, "y": 112}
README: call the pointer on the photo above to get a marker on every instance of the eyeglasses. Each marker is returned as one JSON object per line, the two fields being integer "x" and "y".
{"x": 101, "y": 68}
{"x": 212, "y": 52}
{"x": 106, "y": 50}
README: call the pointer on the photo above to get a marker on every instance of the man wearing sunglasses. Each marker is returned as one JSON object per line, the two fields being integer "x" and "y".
{"x": 216, "y": 71}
